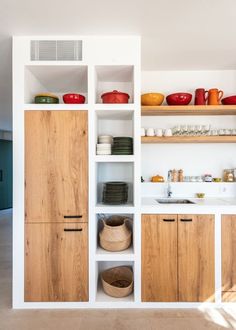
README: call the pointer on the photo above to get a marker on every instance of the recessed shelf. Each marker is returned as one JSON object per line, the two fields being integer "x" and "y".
{"x": 55, "y": 79}
{"x": 103, "y": 255}
{"x": 114, "y": 114}
{"x": 57, "y": 107}
{"x": 114, "y": 159}
{"x": 114, "y": 77}
{"x": 189, "y": 139}
{"x": 122, "y": 107}
{"x": 103, "y": 297}
{"x": 189, "y": 110}
{"x": 114, "y": 209}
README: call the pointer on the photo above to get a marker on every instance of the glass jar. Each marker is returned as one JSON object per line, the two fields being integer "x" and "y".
{"x": 228, "y": 175}
{"x": 208, "y": 178}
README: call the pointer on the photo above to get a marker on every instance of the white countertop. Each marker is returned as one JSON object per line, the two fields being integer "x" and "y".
{"x": 201, "y": 205}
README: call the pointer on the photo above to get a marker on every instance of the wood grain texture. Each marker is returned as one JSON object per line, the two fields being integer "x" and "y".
{"x": 189, "y": 110}
{"x": 188, "y": 139}
{"x": 228, "y": 296}
{"x": 56, "y": 165}
{"x": 196, "y": 268}
{"x": 56, "y": 262}
{"x": 159, "y": 258}
{"x": 228, "y": 232}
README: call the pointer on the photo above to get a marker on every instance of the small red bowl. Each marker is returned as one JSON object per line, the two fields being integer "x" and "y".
{"x": 72, "y": 98}
{"x": 115, "y": 97}
{"x": 179, "y": 99}
{"x": 230, "y": 100}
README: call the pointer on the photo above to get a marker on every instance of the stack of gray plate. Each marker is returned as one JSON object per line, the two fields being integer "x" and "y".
{"x": 115, "y": 192}
{"x": 122, "y": 145}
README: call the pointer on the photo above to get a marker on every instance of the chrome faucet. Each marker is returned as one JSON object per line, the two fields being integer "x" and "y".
{"x": 169, "y": 191}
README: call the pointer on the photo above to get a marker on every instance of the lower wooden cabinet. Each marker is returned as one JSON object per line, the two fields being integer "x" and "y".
{"x": 159, "y": 258}
{"x": 178, "y": 258}
{"x": 56, "y": 262}
{"x": 196, "y": 258}
{"x": 228, "y": 232}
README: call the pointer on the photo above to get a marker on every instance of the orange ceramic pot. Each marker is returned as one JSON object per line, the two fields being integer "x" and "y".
{"x": 214, "y": 96}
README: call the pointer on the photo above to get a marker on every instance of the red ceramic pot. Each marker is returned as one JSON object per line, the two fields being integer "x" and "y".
{"x": 115, "y": 97}
{"x": 73, "y": 98}
{"x": 230, "y": 100}
{"x": 179, "y": 99}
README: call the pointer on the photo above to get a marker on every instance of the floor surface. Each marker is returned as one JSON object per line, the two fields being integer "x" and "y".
{"x": 192, "y": 319}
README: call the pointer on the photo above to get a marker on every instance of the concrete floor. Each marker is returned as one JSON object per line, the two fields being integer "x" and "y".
{"x": 96, "y": 319}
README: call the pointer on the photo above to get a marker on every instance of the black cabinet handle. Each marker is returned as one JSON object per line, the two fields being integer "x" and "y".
{"x": 1, "y": 175}
{"x": 72, "y": 216}
{"x": 186, "y": 220}
{"x": 73, "y": 229}
{"x": 169, "y": 220}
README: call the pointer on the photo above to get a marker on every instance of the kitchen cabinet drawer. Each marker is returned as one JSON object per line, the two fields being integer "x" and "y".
{"x": 196, "y": 266}
{"x": 56, "y": 166}
{"x": 228, "y": 232}
{"x": 56, "y": 262}
{"x": 159, "y": 258}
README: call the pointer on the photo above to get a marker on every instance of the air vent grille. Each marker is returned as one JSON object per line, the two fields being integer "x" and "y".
{"x": 56, "y": 50}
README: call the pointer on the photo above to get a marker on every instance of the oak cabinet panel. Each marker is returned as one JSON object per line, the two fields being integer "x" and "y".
{"x": 56, "y": 262}
{"x": 178, "y": 258}
{"x": 196, "y": 267}
{"x": 56, "y": 166}
{"x": 228, "y": 232}
{"x": 159, "y": 258}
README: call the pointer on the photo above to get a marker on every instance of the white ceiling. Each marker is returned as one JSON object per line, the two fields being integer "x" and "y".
{"x": 176, "y": 34}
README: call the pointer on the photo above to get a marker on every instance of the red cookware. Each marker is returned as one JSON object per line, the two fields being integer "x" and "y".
{"x": 115, "y": 97}
{"x": 179, "y": 99}
{"x": 230, "y": 100}
{"x": 71, "y": 98}
{"x": 200, "y": 96}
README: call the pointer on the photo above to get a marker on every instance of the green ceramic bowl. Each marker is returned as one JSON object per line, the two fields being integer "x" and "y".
{"x": 46, "y": 100}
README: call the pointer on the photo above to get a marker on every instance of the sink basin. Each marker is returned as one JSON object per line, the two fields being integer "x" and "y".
{"x": 174, "y": 201}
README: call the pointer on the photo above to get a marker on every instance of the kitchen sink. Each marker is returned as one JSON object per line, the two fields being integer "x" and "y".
{"x": 174, "y": 201}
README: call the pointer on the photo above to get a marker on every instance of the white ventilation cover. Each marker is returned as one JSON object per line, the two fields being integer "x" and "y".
{"x": 56, "y": 50}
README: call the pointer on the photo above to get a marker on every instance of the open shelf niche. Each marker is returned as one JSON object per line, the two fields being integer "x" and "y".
{"x": 101, "y": 296}
{"x": 114, "y": 77}
{"x": 55, "y": 79}
{"x": 102, "y": 254}
{"x": 117, "y": 171}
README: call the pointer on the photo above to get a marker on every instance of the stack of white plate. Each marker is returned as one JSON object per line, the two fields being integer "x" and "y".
{"x": 104, "y": 144}
{"x": 108, "y": 139}
{"x": 104, "y": 149}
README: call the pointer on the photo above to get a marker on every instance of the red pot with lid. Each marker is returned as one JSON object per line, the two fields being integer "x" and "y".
{"x": 115, "y": 97}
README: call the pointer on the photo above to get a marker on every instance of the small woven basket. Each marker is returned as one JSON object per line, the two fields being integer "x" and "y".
{"x": 118, "y": 281}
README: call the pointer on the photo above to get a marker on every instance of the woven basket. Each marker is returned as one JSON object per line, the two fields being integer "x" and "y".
{"x": 118, "y": 281}
{"x": 115, "y": 235}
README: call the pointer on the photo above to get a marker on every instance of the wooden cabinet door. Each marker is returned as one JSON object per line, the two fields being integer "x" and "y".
{"x": 196, "y": 267}
{"x": 159, "y": 258}
{"x": 56, "y": 262}
{"x": 56, "y": 166}
{"x": 228, "y": 232}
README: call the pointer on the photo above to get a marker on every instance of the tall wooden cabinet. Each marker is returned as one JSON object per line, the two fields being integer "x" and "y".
{"x": 178, "y": 258}
{"x": 56, "y": 206}
{"x": 228, "y": 224}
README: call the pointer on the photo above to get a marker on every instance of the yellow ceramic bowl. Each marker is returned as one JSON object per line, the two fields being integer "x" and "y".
{"x": 152, "y": 99}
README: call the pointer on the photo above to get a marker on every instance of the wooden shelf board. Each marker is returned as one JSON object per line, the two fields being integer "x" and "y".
{"x": 189, "y": 110}
{"x": 189, "y": 139}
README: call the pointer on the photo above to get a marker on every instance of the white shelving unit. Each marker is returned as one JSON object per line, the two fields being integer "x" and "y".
{"x": 107, "y": 63}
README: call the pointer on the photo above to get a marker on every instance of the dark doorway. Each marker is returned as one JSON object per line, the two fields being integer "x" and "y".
{"x": 5, "y": 174}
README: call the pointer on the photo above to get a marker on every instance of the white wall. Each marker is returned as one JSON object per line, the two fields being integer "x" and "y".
{"x": 194, "y": 159}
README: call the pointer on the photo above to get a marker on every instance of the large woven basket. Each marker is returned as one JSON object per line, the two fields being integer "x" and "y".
{"x": 118, "y": 281}
{"x": 115, "y": 235}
